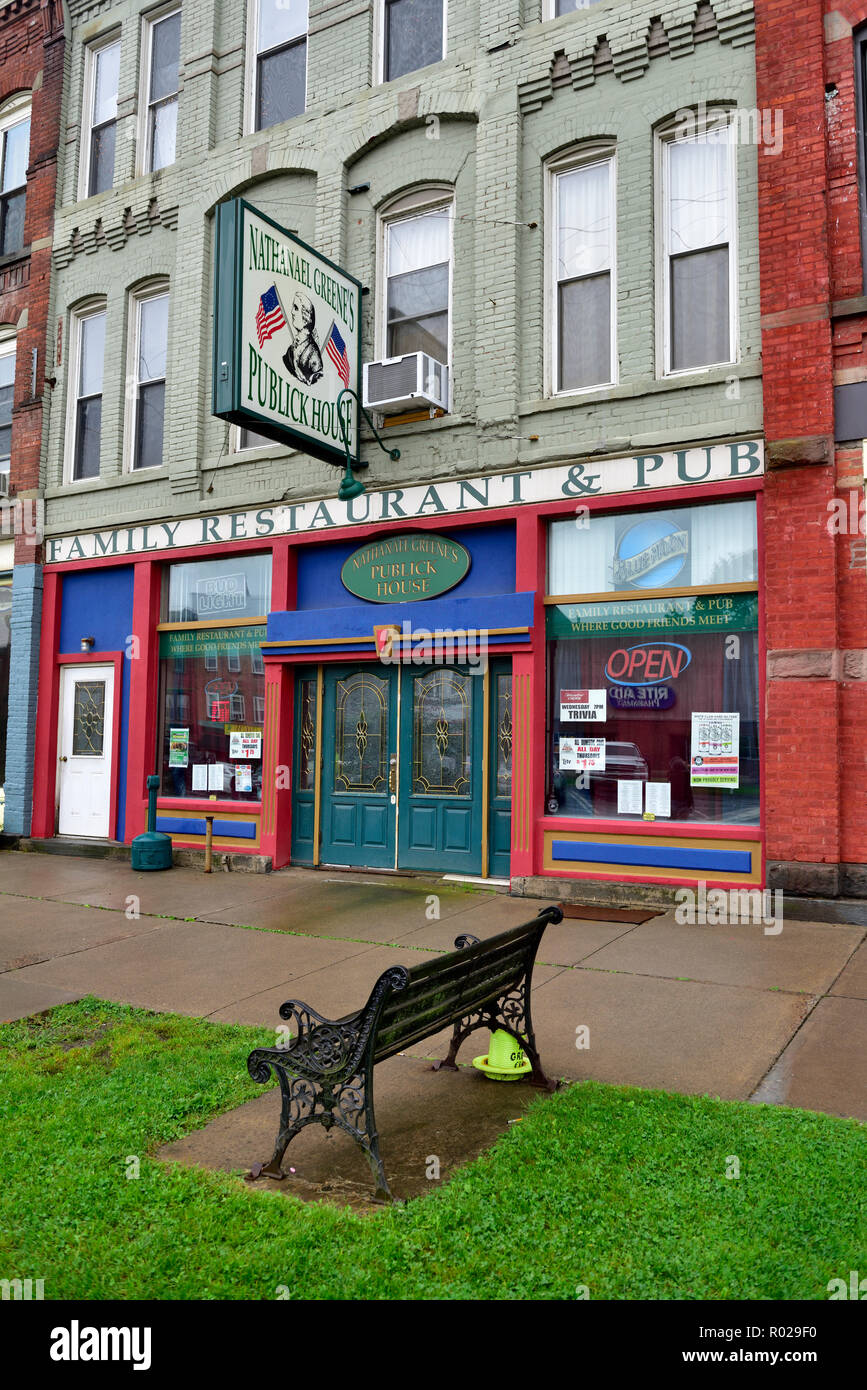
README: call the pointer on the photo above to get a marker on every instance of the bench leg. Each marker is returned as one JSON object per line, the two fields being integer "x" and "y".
{"x": 347, "y": 1105}
{"x": 512, "y": 1015}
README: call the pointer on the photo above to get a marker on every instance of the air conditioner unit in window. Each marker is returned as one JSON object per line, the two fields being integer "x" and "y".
{"x": 412, "y": 382}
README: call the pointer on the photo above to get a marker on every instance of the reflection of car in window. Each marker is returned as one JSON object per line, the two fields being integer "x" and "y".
{"x": 623, "y": 762}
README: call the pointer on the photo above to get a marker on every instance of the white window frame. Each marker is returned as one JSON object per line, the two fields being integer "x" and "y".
{"x": 259, "y": 710}
{"x": 257, "y": 665}
{"x": 566, "y": 164}
{"x": 9, "y": 348}
{"x": 237, "y": 708}
{"x": 549, "y": 9}
{"x": 233, "y": 659}
{"x": 14, "y": 111}
{"x": 379, "y": 76}
{"x": 91, "y": 52}
{"x": 665, "y": 137}
{"x": 154, "y": 289}
{"x": 251, "y": 450}
{"x": 251, "y": 83}
{"x": 212, "y": 661}
{"x": 430, "y": 199}
{"x": 144, "y": 155}
{"x": 77, "y": 317}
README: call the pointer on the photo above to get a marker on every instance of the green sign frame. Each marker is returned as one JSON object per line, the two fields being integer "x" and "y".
{"x": 194, "y": 642}
{"x": 287, "y": 262}
{"x": 405, "y": 569}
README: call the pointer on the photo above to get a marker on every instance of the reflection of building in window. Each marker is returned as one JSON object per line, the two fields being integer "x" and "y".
{"x": 659, "y": 654}
{"x": 211, "y": 661}
{"x": 238, "y": 707}
{"x": 258, "y": 709}
{"x": 257, "y": 663}
{"x": 233, "y": 659}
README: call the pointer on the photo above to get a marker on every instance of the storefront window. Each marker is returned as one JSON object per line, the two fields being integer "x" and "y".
{"x": 653, "y": 696}
{"x": 217, "y": 590}
{"x": 212, "y": 679}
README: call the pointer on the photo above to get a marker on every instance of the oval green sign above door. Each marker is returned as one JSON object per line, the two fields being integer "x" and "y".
{"x": 405, "y": 569}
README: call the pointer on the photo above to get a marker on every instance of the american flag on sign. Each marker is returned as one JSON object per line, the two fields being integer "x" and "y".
{"x": 336, "y": 349}
{"x": 269, "y": 315}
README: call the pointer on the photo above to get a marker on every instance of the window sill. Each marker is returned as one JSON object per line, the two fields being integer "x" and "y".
{"x": 441, "y": 422}
{"x": 699, "y": 829}
{"x": 103, "y": 484}
{"x": 645, "y": 386}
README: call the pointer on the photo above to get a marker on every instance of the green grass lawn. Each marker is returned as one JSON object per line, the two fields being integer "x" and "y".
{"x": 621, "y": 1190}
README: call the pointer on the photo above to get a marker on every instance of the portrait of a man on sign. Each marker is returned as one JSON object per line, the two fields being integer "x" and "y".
{"x": 302, "y": 358}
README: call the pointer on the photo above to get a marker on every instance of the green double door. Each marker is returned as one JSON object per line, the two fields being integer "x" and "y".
{"x": 406, "y": 769}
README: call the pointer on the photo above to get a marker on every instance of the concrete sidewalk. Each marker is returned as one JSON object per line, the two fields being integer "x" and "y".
{"x": 726, "y": 1011}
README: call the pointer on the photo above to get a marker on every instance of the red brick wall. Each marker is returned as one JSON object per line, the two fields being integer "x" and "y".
{"x": 815, "y": 580}
{"x": 31, "y": 54}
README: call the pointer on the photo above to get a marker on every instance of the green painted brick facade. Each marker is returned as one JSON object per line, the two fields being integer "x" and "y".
{"x": 512, "y": 92}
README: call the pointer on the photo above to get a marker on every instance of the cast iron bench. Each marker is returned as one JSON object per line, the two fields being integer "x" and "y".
{"x": 326, "y": 1070}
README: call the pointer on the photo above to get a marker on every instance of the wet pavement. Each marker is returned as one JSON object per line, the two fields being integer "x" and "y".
{"x": 726, "y": 1011}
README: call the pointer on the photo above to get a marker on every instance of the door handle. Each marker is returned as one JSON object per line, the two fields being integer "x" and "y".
{"x": 392, "y": 774}
{"x": 63, "y": 760}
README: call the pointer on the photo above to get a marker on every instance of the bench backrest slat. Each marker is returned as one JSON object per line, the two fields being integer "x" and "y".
{"x": 446, "y": 989}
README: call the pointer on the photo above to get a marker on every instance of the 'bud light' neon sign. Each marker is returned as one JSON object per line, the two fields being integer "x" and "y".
{"x": 647, "y": 663}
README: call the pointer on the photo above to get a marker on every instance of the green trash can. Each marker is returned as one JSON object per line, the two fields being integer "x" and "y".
{"x": 152, "y": 850}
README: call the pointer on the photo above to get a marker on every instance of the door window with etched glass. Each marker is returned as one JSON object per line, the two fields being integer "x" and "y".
{"x": 504, "y": 734}
{"x": 361, "y": 734}
{"x": 88, "y": 719}
{"x": 441, "y": 734}
{"x": 307, "y": 737}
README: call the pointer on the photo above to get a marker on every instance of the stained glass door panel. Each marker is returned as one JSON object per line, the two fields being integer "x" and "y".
{"x": 502, "y": 732}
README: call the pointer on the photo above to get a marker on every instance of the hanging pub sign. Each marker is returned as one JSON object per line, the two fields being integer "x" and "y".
{"x": 286, "y": 336}
{"x": 405, "y": 569}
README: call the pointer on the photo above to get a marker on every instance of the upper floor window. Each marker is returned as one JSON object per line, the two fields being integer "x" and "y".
{"x": 414, "y": 35}
{"x": 281, "y": 61}
{"x": 699, "y": 233}
{"x": 14, "y": 154}
{"x": 150, "y": 328}
{"x": 417, "y": 279}
{"x": 250, "y": 439}
{"x": 552, "y": 9}
{"x": 583, "y": 349}
{"x": 160, "y": 95}
{"x": 102, "y": 75}
{"x": 85, "y": 426}
{"x": 7, "y": 387}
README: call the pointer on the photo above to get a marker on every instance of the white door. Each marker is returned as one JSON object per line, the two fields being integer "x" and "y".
{"x": 85, "y": 750}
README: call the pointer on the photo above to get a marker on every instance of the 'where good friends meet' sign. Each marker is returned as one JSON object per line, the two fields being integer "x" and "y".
{"x": 286, "y": 336}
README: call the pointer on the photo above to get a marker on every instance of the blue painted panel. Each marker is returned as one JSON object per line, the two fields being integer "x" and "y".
{"x": 492, "y": 570}
{"x": 180, "y": 825}
{"x": 646, "y": 856}
{"x": 486, "y": 611}
{"x": 98, "y": 603}
{"x": 186, "y": 825}
{"x": 236, "y": 829}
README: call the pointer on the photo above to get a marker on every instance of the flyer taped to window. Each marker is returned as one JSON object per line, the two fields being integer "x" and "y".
{"x": 583, "y": 704}
{"x": 715, "y": 751}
